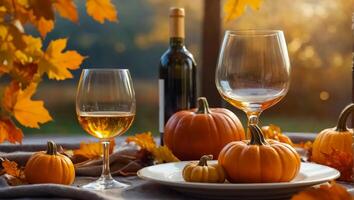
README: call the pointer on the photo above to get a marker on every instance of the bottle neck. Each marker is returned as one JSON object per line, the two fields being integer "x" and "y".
{"x": 176, "y": 42}
{"x": 176, "y": 27}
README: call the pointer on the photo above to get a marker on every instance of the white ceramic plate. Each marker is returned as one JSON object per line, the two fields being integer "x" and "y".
{"x": 170, "y": 174}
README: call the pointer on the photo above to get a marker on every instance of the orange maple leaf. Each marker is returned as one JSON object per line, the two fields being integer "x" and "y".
{"x": 331, "y": 191}
{"x": 57, "y": 63}
{"x": 235, "y": 8}
{"x": 41, "y": 15}
{"x": 92, "y": 150}
{"x": 144, "y": 140}
{"x": 100, "y": 10}
{"x": 9, "y": 132}
{"x": 11, "y": 168}
{"x": 67, "y": 9}
{"x": 13, "y": 173}
{"x": 44, "y": 26}
{"x": 33, "y": 47}
{"x": 163, "y": 154}
{"x": 26, "y": 111}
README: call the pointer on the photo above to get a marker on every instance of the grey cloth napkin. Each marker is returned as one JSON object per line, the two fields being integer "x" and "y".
{"x": 8, "y": 148}
{"x": 124, "y": 161}
{"x": 46, "y": 191}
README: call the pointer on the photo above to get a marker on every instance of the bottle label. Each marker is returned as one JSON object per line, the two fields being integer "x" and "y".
{"x": 161, "y": 105}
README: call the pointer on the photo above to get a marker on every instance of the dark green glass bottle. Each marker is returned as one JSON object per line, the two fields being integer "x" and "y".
{"x": 177, "y": 73}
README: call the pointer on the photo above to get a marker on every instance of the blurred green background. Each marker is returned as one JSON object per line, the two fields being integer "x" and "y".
{"x": 318, "y": 33}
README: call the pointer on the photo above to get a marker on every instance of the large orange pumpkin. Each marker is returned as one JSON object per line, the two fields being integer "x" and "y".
{"x": 50, "y": 167}
{"x": 259, "y": 160}
{"x": 339, "y": 138}
{"x": 191, "y": 134}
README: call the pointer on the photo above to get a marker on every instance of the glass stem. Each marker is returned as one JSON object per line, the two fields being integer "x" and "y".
{"x": 106, "y": 174}
{"x": 252, "y": 119}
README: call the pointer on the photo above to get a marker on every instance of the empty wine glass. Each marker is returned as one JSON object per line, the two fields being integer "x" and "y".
{"x": 253, "y": 71}
{"x": 105, "y": 107}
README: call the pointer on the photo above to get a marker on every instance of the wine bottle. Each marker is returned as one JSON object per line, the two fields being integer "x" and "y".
{"x": 177, "y": 73}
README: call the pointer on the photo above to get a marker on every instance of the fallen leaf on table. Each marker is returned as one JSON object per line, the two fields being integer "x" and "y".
{"x": 330, "y": 191}
{"x": 10, "y": 167}
{"x": 163, "y": 154}
{"x": 92, "y": 150}
{"x": 13, "y": 174}
{"x": 305, "y": 145}
{"x": 144, "y": 140}
{"x": 341, "y": 161}
{"x": 274, "y": 132}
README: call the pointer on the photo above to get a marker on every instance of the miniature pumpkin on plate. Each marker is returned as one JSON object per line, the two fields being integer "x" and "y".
{"x": 202, "y": 172}
{"x": 259, "y": 160}
{"x": 339, "y": 138}
{"x": 191, "y": 134}
{"x": 50, "y": 167}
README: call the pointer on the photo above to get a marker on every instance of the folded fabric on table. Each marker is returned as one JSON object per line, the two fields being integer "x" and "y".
{"x": 8, "y": 148}
{"x": 126, "y": 160}
{"x": 46, "y": 191}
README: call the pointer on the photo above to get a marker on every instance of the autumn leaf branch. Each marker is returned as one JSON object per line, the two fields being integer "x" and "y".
{"x": 25, "y": 61}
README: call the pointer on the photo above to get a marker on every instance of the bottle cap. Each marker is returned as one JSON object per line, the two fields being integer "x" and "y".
{"x": 176, "y": 12}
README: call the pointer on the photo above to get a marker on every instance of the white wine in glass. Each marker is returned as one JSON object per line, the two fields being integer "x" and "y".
{"x": 105, "y": 124}
{"x": 253, "y": 71}
{"x": 105, "y": 107}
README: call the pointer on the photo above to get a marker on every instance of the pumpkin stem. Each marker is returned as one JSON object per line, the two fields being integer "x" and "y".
{"x": 204, "y": 159}
{"x": 203, "y": 106}
{"x": 342, "y": 120}
{"x": 257, "y": 137}
{"x": 51, "y": 148}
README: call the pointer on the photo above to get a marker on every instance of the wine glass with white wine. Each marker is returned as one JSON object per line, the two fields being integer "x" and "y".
{"x": 105, "y": 107}
{"x": 253, "y": 71}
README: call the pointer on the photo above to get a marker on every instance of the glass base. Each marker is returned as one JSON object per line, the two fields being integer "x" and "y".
{"x": 104, "y": 183}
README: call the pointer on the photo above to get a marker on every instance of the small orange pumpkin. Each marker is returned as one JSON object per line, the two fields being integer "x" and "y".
{"x": 50, "y": 167}
{"x": 259, "y": 160}
{"x": 190, "y": 134}
{"x": 339, "y": 138}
